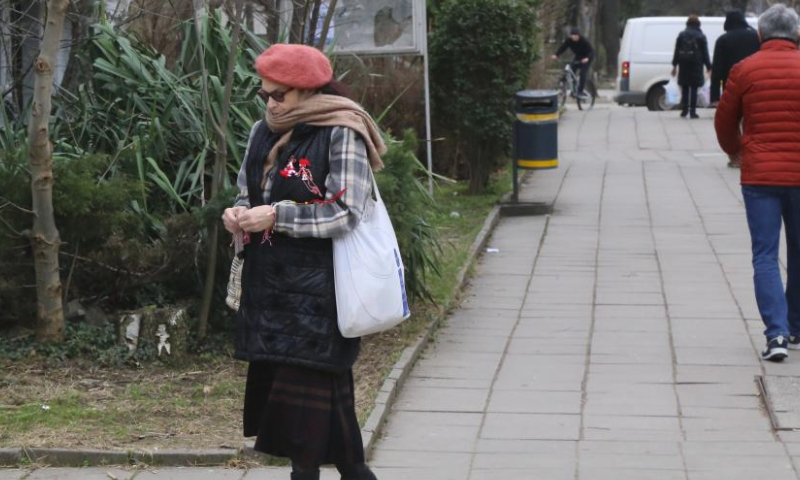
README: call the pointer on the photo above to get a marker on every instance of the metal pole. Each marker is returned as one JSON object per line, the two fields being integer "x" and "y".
{"x": 429, "y": 140}
{"x": 515, "y": 194}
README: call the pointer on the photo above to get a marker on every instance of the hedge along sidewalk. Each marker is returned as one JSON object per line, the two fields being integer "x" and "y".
{"x": 370, "y": 431}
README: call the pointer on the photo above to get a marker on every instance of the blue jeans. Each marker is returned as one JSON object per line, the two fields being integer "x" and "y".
{"x": 766, "y": 206}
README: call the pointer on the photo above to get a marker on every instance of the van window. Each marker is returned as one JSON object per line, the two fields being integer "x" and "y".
{"x": 659, "y": 39}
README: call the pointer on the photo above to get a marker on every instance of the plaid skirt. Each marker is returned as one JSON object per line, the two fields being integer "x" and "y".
{"x": 305, "y": 415}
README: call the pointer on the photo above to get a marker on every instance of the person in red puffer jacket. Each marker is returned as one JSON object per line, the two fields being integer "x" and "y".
{"x": 758, "y": 126}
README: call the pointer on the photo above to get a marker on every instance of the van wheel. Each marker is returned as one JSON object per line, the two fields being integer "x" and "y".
{"x": 657, "y": 98}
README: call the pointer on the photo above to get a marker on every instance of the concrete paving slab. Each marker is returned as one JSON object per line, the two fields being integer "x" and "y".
{"x": 594, "y": 447}
{"x": 470, "y": 383}
{"x": 89, "y": 473}
{"x": 502, "y": 426}
{"x": 537, "y": 473}
{"x": 716, "y": 356}
{"x": 437, "y": 399}
{"x": 403, "y": 459}
{"x": 445, "y": 473}
{"x": 499, "y": 462}
{"x": 189, "y": 473}
{"x": 648, "y": 463}
{"x": 527, "y": 401}
{"x": 629, "y": 474}
{"x": 431, "y": 370}
{"x": 12, "y": 474}
{"x": 696, "y": 374}
{"x": 782, "y": 393}
{"x": 275, "y": 473}
{"x": 558, "y": 448}
{"x": 607, "y": 404}
{"x": 644, "y": 325}
{"x": 622, "y": 428}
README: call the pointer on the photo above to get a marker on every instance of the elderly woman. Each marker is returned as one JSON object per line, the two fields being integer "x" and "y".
{"x": 306, "y": 178}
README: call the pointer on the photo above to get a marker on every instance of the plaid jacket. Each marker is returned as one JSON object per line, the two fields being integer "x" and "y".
{"x": 349, "y": 171}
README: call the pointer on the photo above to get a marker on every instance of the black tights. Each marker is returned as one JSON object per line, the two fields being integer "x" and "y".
{"x": 688, "y": 99}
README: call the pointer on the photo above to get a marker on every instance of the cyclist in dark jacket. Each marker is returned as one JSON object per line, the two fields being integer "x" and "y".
{"x": 584, "y": 54}
{"x": 737, "y": 43}
{"x": 691, "y": 54}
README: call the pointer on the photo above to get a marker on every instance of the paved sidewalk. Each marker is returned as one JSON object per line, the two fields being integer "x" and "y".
{"x": 616, "y": 339}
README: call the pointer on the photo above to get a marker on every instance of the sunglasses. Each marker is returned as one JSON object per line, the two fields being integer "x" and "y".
{"x": 278, "y": 96}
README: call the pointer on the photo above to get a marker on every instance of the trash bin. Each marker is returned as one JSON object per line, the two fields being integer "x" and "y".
{"x": 535, "y": 132}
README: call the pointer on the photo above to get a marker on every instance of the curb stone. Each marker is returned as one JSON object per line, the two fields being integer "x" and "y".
{"x": 63, "y": 457}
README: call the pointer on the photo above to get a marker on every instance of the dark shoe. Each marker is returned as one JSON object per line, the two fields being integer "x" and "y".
{"x": 776, "y": 349}
{"x": 794, "y": 342}
{"x": 694, "y": 115}
{"x": 683, "y": 114}
{"x": 357, "y": 472}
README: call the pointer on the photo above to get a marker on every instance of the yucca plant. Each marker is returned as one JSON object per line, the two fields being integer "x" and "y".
{"x": 153, "y": 119}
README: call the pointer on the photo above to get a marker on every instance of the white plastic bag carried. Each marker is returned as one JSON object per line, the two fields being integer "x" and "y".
{"x": 672, "y": 93}
{"x": 704, "y": 96}
{"x": 369, "y": 276}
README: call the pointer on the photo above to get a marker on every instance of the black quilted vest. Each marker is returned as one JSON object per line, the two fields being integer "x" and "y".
{"x": 288, "y": 305}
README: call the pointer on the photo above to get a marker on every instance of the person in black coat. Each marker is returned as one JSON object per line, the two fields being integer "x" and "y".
{"x": 691, "y": 54}
{"x": 739, "y": 42}
{"x": 583, "y": 52}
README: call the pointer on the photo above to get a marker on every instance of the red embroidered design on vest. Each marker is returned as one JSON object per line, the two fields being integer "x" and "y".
{"x": 300, "y": 168}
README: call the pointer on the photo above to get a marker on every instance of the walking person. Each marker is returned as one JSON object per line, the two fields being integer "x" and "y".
{"x": 306, "y": 177}
{"x": 738, "y": 42}
{"x": 691, "y": 54}
{"x": 758, "y": 126}
{"x": 583, "y": 56}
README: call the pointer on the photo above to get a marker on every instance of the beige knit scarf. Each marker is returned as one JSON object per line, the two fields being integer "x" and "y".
{"x": 328, "y": 111}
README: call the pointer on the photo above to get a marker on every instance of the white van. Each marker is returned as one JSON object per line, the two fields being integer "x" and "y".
{"x": 646, "y": 56}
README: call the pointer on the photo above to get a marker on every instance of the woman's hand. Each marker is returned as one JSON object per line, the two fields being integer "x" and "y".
{"x": 231, "y": 219}
{"x": 257, "y": 219}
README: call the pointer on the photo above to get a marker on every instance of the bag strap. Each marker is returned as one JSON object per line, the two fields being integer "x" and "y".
{"x": 375, "y": 187}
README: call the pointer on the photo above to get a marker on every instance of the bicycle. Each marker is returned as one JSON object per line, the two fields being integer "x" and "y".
{"x": 568, "y": 87}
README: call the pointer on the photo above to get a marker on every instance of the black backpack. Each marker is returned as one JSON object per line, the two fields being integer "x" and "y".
{"x": 689, "y": 50}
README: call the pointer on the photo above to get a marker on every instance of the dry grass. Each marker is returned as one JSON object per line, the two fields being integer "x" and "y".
{"x": 194, "y": 407}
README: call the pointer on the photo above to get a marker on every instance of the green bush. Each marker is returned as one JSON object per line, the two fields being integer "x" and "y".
{"x": 481, "y": 54}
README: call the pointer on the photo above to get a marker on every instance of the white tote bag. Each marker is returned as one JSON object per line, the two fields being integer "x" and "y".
{"x": 369, "y": 277}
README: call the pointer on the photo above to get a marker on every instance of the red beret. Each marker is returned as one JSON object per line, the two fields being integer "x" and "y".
{"x": 297, "y": 66}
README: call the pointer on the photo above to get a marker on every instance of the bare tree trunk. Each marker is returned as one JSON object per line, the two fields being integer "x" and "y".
{"x": 220, "y": 164}
{"x": 248, "y": 15}
{"x": 587, "y": 15}
{"x": 312, "y": 25}
{"x": 79, "y": 66}
{"x": 26, "y": 16}
{"x": 326, "y": 25}
{"x": 609, "y": 25}
{"x": 299, "y": 14}
{"x": 273, "y": 22}
{"x": 740, "y": 4}
{"x": 45, "y": 238}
